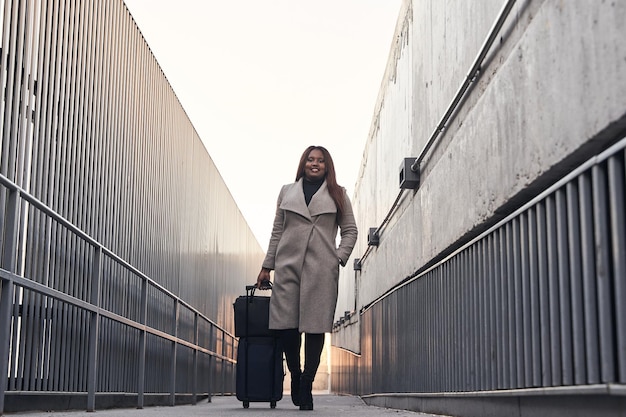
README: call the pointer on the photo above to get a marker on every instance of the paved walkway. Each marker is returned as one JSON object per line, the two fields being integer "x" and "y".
{"x": 325, "y": 405}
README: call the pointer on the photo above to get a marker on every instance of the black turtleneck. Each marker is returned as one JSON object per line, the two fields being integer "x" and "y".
{"x": 310, "y": 188}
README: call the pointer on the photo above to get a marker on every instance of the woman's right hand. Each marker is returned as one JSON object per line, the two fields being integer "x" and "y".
{"x": 263, "y": 280}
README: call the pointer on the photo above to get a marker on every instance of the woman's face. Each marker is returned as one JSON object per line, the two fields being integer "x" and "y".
{"x": 315, "y": 166}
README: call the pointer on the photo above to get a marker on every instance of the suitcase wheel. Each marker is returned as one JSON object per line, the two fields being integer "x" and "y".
{"x": 273, "y": 404}
{"x": 246, "y": 404}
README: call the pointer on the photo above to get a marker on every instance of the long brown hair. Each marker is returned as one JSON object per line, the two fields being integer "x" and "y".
{"x": 334, "y": 189}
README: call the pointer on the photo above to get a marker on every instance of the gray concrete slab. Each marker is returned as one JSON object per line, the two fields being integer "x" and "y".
{"x": 325, "y": 405}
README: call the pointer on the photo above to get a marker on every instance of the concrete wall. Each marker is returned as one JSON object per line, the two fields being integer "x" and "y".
{"x": 552, "y": 91}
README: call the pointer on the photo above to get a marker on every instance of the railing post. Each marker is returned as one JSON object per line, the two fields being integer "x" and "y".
{"x": 173, "y": 361}
{"x": 141, "y": 377}
{"x": 211, "y": 361}
{"x": 94, "y": 330}
{"x": 8, "y": 289}
{"x": 223, "y": 362}
{"x": 194, "y": 382}
{"x": 6, "y": 305}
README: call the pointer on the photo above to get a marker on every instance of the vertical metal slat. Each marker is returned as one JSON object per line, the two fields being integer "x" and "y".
{"x": 565, "y": 289}
{"x": 576, "y": 287}
{"x": 617, "y": 208}
{"x": 601, "y": 219}
{"x": 552, "y": 272}
{"x": 543, "y": 373}
{"x": 535, "y": 365}
{"x": 590, "y": 301}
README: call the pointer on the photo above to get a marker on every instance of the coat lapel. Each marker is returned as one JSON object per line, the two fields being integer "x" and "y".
{"x": 321, "y": 203}
{"x": 293, "y": 200}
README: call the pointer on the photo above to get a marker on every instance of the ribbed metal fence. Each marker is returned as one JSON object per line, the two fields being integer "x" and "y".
{"x": 539, "y": 300}
{"x": 122, "y": 248}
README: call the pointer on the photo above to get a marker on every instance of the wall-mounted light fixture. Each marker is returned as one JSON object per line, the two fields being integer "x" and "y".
{"x": 372, "y": 237}
{"x": 409, "y": 179}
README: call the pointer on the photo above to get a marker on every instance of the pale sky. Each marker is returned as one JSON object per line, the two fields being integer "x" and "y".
{"x": 263, "y": 79}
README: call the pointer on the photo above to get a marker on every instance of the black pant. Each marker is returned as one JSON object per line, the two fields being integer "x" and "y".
{"x": 313, "y": 345}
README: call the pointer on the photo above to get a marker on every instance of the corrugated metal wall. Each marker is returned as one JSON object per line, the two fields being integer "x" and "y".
{"x": 539, "y": 300}
{"x": 122, "y": 246}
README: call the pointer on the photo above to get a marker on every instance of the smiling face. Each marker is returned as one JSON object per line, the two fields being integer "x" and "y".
{"x": 315, "y": 166}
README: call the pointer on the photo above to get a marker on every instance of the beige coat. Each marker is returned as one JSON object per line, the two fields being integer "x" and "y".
{"x": 305, "y": 258}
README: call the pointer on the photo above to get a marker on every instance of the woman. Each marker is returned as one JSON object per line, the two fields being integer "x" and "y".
{"x": 305, "y": 259}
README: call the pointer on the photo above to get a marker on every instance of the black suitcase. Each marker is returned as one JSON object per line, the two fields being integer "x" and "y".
{"x": 252, "y": 315}
{"x": 259, "y": 372}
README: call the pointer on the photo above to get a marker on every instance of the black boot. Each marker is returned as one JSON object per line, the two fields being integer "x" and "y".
{"x": 306, "y": 395}
{"x": 313, "y": 345}
{"x": 295, "y": 388}
{"x": 291, "y": 340}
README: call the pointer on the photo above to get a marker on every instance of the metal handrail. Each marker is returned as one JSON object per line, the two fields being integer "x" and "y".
{"x": 591, "y": 162}
{"x": 24, "y": 282}
{"x": 80, "y": 233}
{"x": 11, "y": 279}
